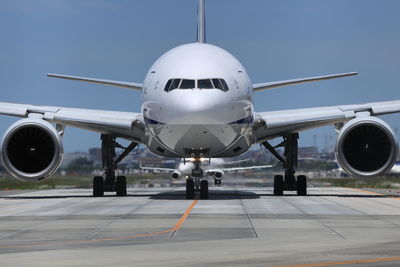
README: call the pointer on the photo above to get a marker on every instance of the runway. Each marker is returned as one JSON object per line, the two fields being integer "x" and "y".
{"x": 237, "y": 226}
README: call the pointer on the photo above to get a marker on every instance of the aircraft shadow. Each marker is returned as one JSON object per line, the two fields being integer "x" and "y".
{"x": 213, "y": 195}
{"x": 334, "y": 195}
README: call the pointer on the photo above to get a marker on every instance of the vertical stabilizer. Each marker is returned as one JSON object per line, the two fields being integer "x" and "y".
{"x": 201, "y": 22}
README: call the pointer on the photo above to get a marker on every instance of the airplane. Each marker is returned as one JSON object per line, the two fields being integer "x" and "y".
{"x": 184, "y": 170}
{"x": 197, "y": 102}
{"x": 395, "y": 169}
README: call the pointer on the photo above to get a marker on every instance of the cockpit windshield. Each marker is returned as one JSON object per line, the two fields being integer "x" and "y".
{"x": 187, "y": 84}
{"x": 213, "y": 83}
{"x": 205, "y": 84}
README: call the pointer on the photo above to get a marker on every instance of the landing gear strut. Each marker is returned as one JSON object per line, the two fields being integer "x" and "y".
{"x": 110, "y": 183}
{"x": 288, "y": 182}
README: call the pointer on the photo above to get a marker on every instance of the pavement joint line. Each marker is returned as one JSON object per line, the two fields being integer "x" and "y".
{"x": 360, "y": 261}
{"x": 247, "y": 214}
{"x": 175, "y": 228}
{"x": 98, "y": 230}
{"x": 331, "y": 230}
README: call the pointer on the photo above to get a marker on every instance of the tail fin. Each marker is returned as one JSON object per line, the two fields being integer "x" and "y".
{"x": 201, "y": 22}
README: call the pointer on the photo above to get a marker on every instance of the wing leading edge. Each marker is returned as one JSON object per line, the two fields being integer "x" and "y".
{"x": 271, "y": 85}
{"x": 277, "y": 123}
{"x": 129, "y": 85}
{"x": 121, "y": 124}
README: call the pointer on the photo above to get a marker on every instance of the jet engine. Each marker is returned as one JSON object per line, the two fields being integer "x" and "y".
{"x": 176, "y": 175}
{"x": 31, "y": 149}
{"x": 366, "y": 147}
{"x": 218, "y": 175}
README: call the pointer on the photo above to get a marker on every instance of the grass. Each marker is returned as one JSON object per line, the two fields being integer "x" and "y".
{"x": 379, "y": 182}
{"x": 58, "y": 181}
{"x": 85, "y": 181}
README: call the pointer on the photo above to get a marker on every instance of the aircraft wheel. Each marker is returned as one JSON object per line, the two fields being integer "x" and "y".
{"x": 120, "y": 186}
{"x": 204, "y": 189}
{"x": 301, "y": 185}
{"x": 278, "y": 185}
{"x": 189, "y": 188}
{"x": 98, "y": 186}
{"x": 217, "y": 182}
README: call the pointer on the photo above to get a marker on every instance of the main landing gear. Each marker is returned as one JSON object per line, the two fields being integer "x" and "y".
{"x": 288, "y": 182}
{"x": 195, "y": 183}
{"x": 110, "y": 183}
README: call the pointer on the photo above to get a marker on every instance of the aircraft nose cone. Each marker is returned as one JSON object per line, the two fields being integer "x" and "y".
{"x": 196, "y": 108}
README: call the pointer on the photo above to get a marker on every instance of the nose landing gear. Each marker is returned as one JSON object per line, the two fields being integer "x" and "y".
{"x": 196, "y": 183}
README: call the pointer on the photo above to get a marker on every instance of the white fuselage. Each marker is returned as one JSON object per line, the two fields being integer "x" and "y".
{"x": 210, "y": 121}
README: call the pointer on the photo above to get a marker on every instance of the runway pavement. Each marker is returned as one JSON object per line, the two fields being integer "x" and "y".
{"x": 237, "y": 226}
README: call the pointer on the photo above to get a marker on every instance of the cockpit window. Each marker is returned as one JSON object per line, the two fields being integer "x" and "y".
{"x": 187, "y": 84}
{"x": 172, "y": 84}
{"x": 205, "y": 84}
{"x": 166, "y": 89}
{"x": 220, "y": 84}
{"x": 213, "y": 83}
{"x": 175, "y": 84}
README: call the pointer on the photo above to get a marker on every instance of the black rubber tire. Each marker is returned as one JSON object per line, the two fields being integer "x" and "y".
{"x": 278, "y": 185}
{"x": 204, "y": 189}
{"x": 301, "y": 185}
{"x": 189, "y": 188}
{"x": 120, "y": 186}
{"x": 217, "y": 182}
{"x": 98, "y": 186}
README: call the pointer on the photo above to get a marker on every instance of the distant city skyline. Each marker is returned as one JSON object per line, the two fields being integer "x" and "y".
{"x": 274, "y": 40}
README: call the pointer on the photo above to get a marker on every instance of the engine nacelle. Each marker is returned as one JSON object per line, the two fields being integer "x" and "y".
{"x": 31, "y": 149}
{"x": 366, "y": 147}
{"x": 176, "y": 175}
{"x": 218, "y": 175}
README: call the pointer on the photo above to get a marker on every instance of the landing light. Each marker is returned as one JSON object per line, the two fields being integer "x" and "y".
{"x": 195, "y": 159}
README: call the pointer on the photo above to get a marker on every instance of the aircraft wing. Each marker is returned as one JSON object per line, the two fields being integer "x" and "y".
{"x": 121, "y": 124}
{"x": 270, "y": 85}
{"x": 156, "y": 168}
{"x": 272, "y": 124}
{"x": 210, "y": 171}
{"x": 129, "y": 85}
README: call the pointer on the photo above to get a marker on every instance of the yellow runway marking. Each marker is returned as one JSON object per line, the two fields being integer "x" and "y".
{"x": 341, "y": 262}
{"x": 176, "y": 227}
{"x": 373, "y": 193}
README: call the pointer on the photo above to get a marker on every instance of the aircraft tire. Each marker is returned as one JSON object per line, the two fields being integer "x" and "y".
{"x": 278, "y": 185}
{"x": 217, "y": 182}
{"x": 301, "y": 185}
{"x": 189, "y": 188}
{"x": 204, "y": 189}
{"x": 98, "y": 186}
{"x": 120, "y": 186}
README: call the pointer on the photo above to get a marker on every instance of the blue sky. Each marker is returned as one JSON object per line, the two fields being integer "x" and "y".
{"x": 276, "y": 39}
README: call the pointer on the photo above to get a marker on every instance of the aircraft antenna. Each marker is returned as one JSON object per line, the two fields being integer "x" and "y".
{"x": 201, "y": 22}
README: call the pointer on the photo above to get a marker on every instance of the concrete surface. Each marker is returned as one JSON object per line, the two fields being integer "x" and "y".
{"x": 235, "y": 227}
